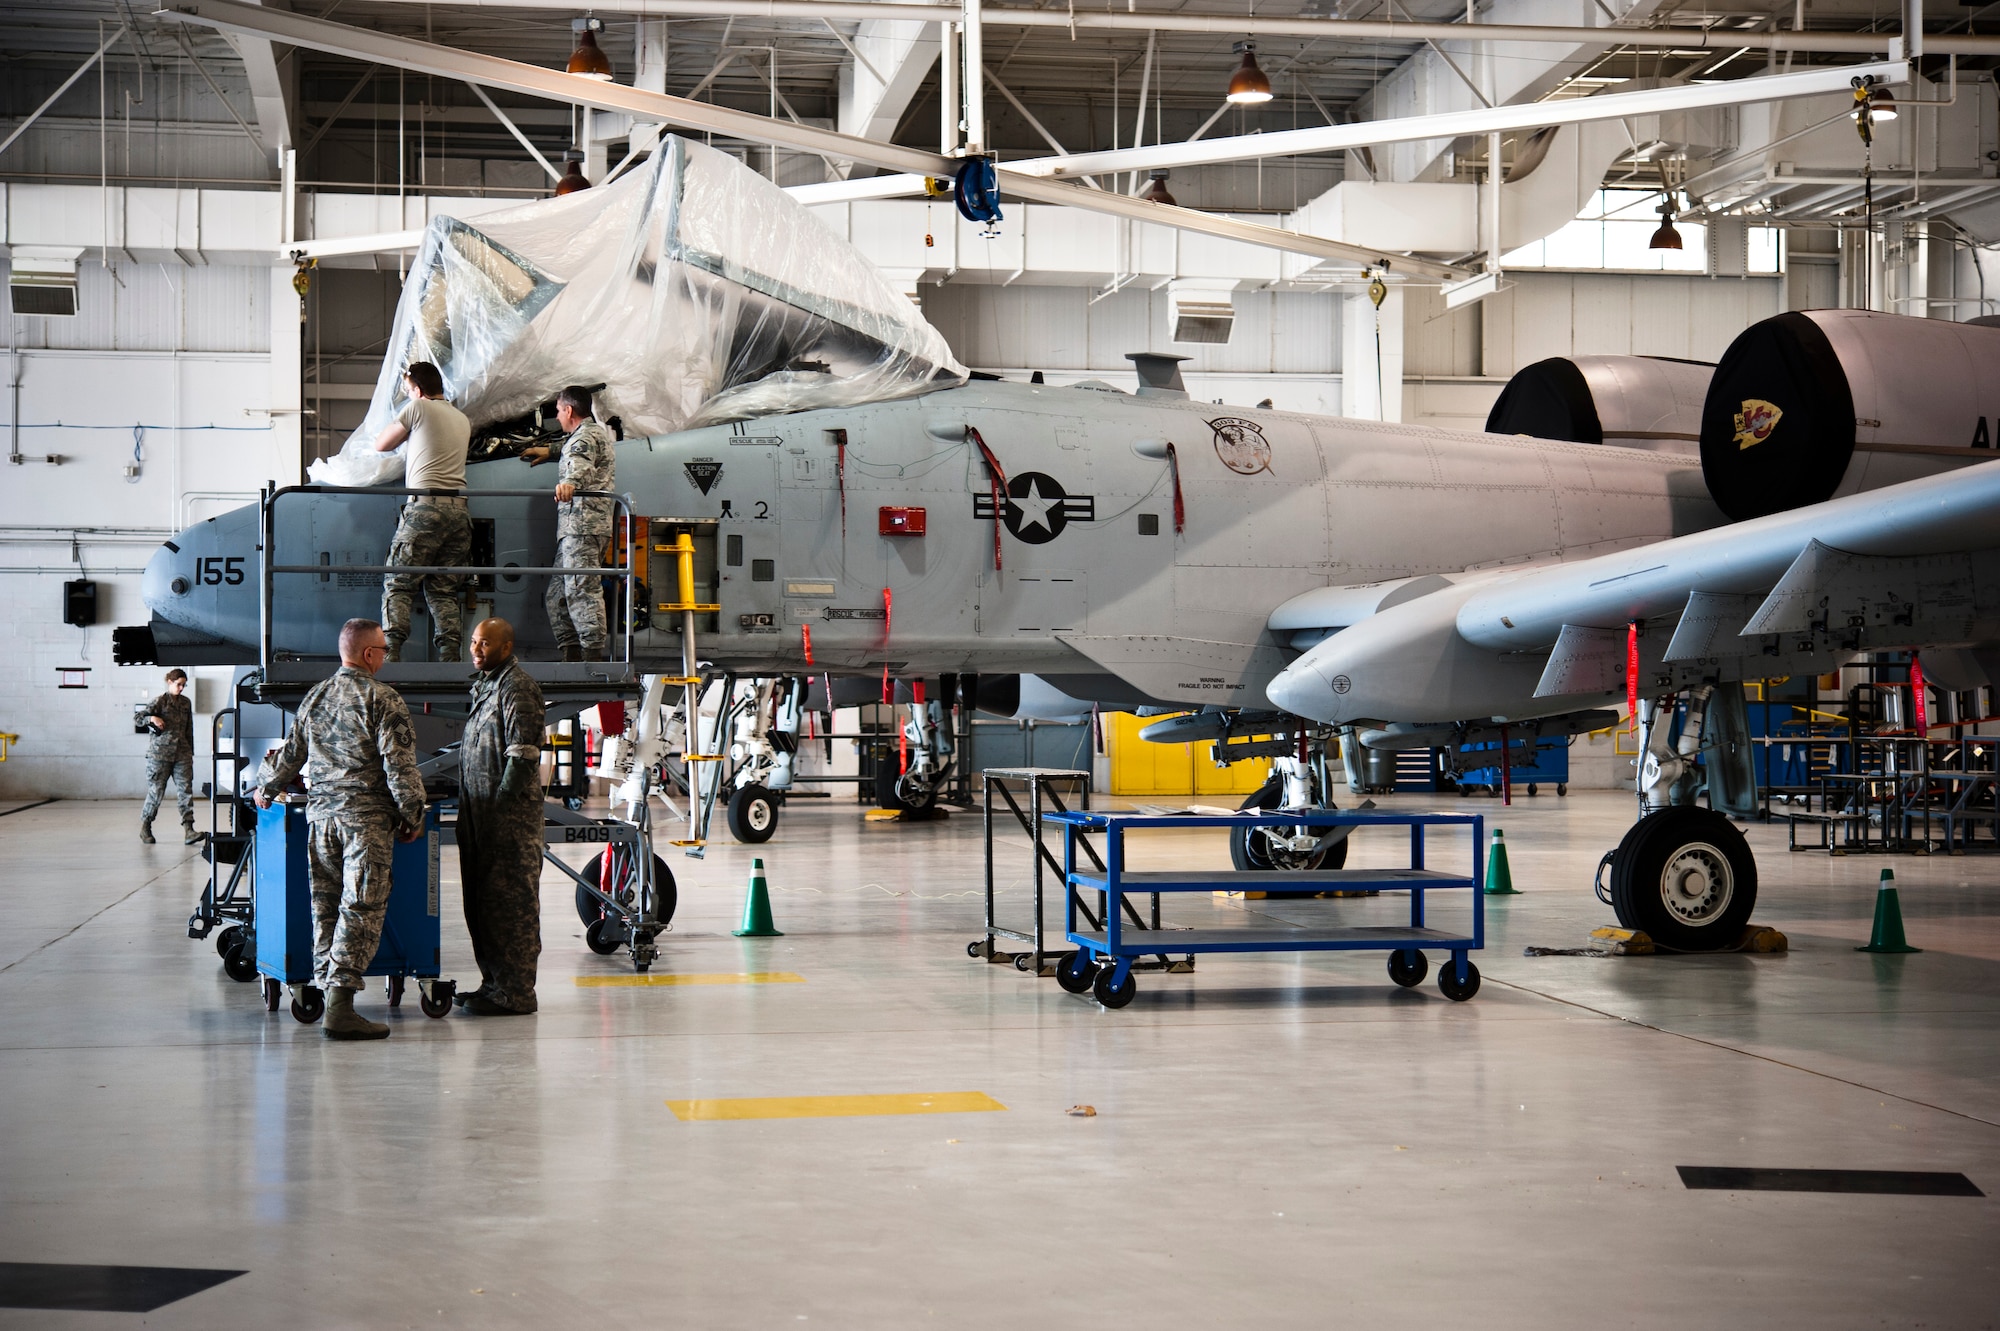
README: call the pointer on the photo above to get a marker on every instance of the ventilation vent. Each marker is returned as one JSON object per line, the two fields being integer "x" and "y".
{"x": 1200, "y": 313}
{"x": 42, "y": 281}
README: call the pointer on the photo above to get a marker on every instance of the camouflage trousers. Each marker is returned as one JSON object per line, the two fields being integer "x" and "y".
{"x": 576, "y": 604}
{"x": 500, "y": 863}
{"x": 428, "y": 533}
{"x": 350, "y": 859}
{"x": 158, "y": 771}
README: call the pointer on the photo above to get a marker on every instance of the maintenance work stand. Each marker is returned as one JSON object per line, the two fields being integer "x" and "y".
{"x": 1103, "y": 961}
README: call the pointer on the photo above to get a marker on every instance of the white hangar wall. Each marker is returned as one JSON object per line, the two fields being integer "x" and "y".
{"x": 183, "y": 355}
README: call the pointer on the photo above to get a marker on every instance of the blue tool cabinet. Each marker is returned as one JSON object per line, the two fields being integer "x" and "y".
{"x": 412, "y": 944}
{"x": 1544, "y": 761}
{"x": 1102, "y": 963}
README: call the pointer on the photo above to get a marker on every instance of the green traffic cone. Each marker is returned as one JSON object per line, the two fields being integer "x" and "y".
{"x": 757, "y": 922}
{"x": 1888, "y": 933}
{"x": 1499, "y": 882}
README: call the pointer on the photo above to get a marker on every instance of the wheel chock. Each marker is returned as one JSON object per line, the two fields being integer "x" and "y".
{"x": 757, "y": 922}
{"x": 1623, "y": 942}
{"x": 1887, "y": 935}
{"x": 1499, "y": 880}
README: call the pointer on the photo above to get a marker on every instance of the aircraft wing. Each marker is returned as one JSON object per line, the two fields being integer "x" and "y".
{"x": 1915, "y": 565}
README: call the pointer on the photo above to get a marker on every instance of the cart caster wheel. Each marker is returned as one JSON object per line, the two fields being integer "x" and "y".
{"x": 239, "y": 965}
{"x": 574, "y": 803}
{"x": 1024, "y": 962}
{"x": 1452, "y": 987}
{"x": 309, "y": 1006}
{"x": 1075, "y": 972}
{"x": 602, "y": 938}
{"x": 395, "y": 991}
{"x": 1562, "y": 788}
{"x": 273, "y": 991}
{"x": 1407, "y": 967}
{"x": 435, "y": 999}
{"x": 1533, "y": 790}
{"x": 228, "y": 941}
{"x": 976, "y": 948}
{"x": 1111, "y": 997}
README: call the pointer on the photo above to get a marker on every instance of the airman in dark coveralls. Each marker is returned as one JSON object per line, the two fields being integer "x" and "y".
{"x": 500, "y": 825}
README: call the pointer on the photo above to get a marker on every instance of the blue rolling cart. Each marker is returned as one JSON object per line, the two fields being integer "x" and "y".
{"x": 1102, "y": 962}
{"x": 412, "y": 943}
{"x": 1537, "y": 762}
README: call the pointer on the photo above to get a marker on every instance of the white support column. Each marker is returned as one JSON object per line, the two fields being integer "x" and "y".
{"x": 649, "y": 72}
{"x": 948, "y": 102}
{"x": 894, "y": 58}
{"x": 972, "y": 84}
{"x": 1371, "y": 368}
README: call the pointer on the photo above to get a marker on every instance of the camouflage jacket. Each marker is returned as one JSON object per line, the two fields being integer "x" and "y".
{"x": 175, "y": 740}
{"x": 589, "y": 462}
{"x": 354, "y": 741}
{"x": 506, "y": 722}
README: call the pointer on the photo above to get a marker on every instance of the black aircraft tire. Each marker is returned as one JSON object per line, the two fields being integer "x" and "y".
{"x": 753, "y": 815}
{"x": 1686, "y": 877}
{"x": 589, "y": 910}
{"x": 1250, "y": 853}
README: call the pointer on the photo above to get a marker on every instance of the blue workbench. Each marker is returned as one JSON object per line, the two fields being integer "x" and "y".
{"x": 1102, "y": 963}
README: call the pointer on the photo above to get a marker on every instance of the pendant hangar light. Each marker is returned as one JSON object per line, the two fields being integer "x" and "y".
{"x": 1249, "y": 85}
{"x": 1156, "y": 188}
{"x": 1881, "y": 104}
{"x": 588, "y": 59}
{"x": 1666, "y": 238}
{"x": 572, "y": 176}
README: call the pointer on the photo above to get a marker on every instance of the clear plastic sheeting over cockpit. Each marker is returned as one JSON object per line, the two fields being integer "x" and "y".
{"x": 692, "y": 289}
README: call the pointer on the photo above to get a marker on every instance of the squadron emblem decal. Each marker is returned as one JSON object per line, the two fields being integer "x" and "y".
{"x": 1037, "y": 508}
{"x": 1755, "y": 422}
{"x": 704, "y": 474}
{"x": 1241, "y": 445}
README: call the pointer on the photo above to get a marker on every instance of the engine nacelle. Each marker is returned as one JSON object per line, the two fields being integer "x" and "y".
{"x": 1808, "y": 406}
{"x": 1630, "y": 401}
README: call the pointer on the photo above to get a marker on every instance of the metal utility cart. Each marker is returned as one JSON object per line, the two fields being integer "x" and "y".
{"x": 1103, "y": 961}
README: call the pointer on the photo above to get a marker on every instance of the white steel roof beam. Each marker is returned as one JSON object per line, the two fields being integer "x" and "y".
{"x": 1325, "y": 29}
{"x": 428, "y": 58}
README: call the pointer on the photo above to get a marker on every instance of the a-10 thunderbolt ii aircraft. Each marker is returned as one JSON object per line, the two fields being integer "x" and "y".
{"x": 1144, "y": 550}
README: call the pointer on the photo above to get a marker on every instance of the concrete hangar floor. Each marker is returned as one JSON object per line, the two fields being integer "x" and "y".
{"x": 1279, "y": 1141}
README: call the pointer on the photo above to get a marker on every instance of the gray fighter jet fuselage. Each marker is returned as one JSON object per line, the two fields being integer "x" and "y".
{"x": 852, "y": 539}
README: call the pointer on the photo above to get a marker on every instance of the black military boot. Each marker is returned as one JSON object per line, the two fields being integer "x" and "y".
{"x": 571, "y": 652}
{"x": 344, "y": 1023}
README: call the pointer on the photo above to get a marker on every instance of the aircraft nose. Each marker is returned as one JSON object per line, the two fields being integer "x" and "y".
{"x": 1303, "y": 690}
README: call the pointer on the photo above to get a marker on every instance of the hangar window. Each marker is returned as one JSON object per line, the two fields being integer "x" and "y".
{"x": 1614, "y": 228}
{"x": 763, "y": 570}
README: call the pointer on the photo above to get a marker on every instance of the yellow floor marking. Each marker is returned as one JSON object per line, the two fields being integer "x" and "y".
{"x": 719, "y": 977}
{"x": 833, "y": 1106}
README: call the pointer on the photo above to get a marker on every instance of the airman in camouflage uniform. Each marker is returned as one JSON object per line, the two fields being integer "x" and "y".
{"x": 500, "y": 825}
{"x": 170, "y": 756}
{"x": 436, "y": 529}
{"x": 354, "y": 741}
{"x": 589, "y": 462}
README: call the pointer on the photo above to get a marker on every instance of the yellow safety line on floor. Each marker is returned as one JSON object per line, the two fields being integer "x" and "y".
{"x": 720, "y": 977}
{"x": 833, "y": 1106}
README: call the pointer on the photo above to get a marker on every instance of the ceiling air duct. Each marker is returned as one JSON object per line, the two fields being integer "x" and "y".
{"x": 1200, "y": 312}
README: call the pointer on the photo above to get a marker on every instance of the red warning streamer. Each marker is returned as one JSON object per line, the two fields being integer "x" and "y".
{"x": 1632, "y": 669}
{"x": 806, "y": 639}
{"x": 1180, "y": 508}
{"x": 1918, "y": 705}
{"x": 997, "y": 479}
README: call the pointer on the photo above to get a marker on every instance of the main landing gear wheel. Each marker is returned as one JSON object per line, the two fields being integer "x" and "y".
{"x": 1250, "y": 850}
{"x": 753, "y": 815}
{"x": 589, "y": 909}
{"x": 1452, "y": 987}
{"x": 1076, "y": 972}
{"x": 1685, "y": 876}
{"x": 1110, "y": 995}
{"x": 1408, "y": 967}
